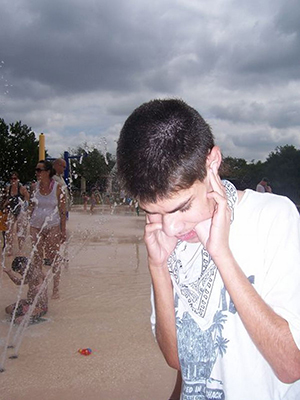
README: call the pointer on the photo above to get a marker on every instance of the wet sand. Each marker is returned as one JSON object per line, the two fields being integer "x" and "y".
{"x": 104, "y": 305}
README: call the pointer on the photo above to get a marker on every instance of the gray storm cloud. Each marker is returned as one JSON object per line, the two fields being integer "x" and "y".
{"x": 75, "y": 70}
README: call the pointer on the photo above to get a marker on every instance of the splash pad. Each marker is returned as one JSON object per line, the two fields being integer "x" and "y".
{"x": 104, "y": 304}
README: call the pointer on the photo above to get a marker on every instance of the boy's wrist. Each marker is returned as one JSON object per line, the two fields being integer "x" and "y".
{"x": 156, "y": 265}
{"x": 159, "y": 272}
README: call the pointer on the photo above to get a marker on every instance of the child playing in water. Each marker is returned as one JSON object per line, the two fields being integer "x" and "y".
{"x": 34, "y": 278}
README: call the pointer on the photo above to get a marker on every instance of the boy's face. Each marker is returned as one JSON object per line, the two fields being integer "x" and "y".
{"x": 183, "y": 211}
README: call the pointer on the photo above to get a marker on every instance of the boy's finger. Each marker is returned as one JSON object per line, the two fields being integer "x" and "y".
{"x": 152, "y": 227}
{"x": 216, "y": 182}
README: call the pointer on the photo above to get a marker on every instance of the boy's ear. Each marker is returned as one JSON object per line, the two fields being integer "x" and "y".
{"x": 214, "y": 158}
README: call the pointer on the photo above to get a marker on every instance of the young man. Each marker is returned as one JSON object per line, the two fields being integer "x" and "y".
{"x": 224, "y": 263}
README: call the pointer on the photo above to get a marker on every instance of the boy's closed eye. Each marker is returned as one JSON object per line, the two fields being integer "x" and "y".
{"x": 186, "y": 207}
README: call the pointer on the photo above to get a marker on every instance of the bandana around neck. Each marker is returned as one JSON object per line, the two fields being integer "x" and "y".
{"x": 196, "y": 280}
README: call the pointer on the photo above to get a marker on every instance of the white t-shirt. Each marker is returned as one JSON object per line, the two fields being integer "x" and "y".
{"x": 260, "y": 188}
{"x": 218, "y": 359}
{"x": 64, "y": 187}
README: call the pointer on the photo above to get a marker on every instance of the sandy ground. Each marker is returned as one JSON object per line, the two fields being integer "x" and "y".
{"x": 104, "y": 305}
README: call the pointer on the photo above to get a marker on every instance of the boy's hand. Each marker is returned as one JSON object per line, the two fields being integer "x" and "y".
{"x": 159, "y": 245}
{"x": 216, "y": 236}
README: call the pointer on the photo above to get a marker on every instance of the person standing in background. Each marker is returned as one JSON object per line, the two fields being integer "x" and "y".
{"x": 264, "y": 186}
{"x": 85, "y": 199}
{"x": 17, "y": 204}
{"x": 3, "y": 217}
{"x": 59, "y": 166}
{"x": 48, "y": 221}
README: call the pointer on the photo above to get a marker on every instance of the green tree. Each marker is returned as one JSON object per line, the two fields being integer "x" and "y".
{"x": 94, "y": 167}
{"x": 243, "y": 174}
{"x": 19, "y": 150}
{"x": 283, "y": 170}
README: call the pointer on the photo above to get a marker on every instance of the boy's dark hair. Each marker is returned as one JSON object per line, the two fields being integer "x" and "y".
{"x": 19, "y": 263}
{"x": 163, "y": 147}
{"x": 48, "y": 167}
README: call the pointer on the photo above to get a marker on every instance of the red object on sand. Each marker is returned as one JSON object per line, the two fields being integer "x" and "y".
{"x": 85, "y": 352}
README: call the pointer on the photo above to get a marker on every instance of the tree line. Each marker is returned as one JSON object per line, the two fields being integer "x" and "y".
{"x": 19, "y": 152}
{"x": 94, "y": 166}
{"x": 282, "y": 168}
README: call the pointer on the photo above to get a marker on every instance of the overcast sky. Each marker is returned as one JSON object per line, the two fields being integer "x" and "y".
{"x": 76, "y": 69}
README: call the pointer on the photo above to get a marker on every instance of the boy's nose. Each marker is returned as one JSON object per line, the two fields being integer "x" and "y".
{"x": 172, "y": 226}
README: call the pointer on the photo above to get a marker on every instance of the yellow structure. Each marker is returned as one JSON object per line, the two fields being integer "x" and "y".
{"x": 41, "y": 147}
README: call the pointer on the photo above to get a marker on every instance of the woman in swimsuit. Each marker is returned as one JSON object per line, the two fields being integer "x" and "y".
{"x": 48, "y": 221}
